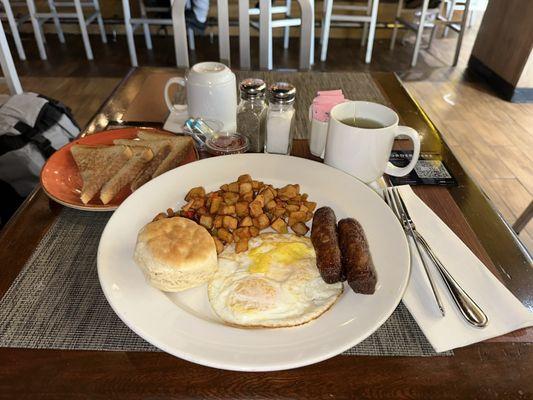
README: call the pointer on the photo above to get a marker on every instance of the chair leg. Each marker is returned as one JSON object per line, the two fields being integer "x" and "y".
{"x": 180, "y": 33}
{"x": 372, "y": 31}
{"x": 399, "y": 10}
{"x": 190, "y": 35}
{"x": 83, "y": 30}
{"x": 57, "y": 23}
{"x": 100, "y": 20}
{"x": 287, "y": 33}
{"x": 244, "y": 34}
{"x": 420, "y": 32}
{"x": 461, "y": 33}
{"x": 14, "y": 29}
{"x": 265, "y": 34}
{"x": 146, "y": 27}
{"x": 449, "y": 16}
{"x": 365, "y": 25}
{"x": 307, "y": 34}
{"x": 223, "y": 32}
{"x": 8, "y": 66}
{"x": 36, "y": 29}
{"x": 523, "y": 219}
{"x": 325, "y": 29}
{"x": 129, "y": 32}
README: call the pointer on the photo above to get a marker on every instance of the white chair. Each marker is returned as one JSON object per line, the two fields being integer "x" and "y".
{"x": 179, "y": 29}
{"x": 424, "y": 18}
{"x": 8, "y": 66}
{"x": 8, "y": 16}
{"x": 369, "y": 20}
{"x": 38, "y": 18}
{"x": 267, "y": 23}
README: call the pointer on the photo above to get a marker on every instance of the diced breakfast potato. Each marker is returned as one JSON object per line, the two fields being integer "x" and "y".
{"x": 226, "y": 210}
{"x": 233, "y": 187}
{"x": 195, "y": 192}
{"x": 217, "y": 222}
{"x": 245, "y": 187}
{"x": 300, "y": 228}
{"x": 242, "y": 233}
{"x": 197, "y": 203}
{"x": 241, "y": 208}
{"x": 246, "y": 221}
{"x": 206, "y": 221}
{"x": 202, "y": 211}
{"x": 244, "y": 178}
{"x": 230, "y": 222}
{"x": 270, "y": 205}
{"x": 256, "y": 185}
{"x": 215, "y": 204}
{"x": 218, "y": 245}
{"x": 159, "y": 216}
{"x": 248, "y": 196}
{"x": 256, "y": 209}
{"x": 224, "y": 235}
{"x": 296, "y": 216}
{"x": 230, "y": 198}
{"x": 267, "y": 195}
{"x": 311, "y": 205}
{"x": 279, "y": 226}
{"x": 261, "y": 221}
{"x": 241, "y": 245}
{"x": 288, "y": 192}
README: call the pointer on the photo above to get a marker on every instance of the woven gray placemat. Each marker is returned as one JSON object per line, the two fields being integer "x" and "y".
{"x": 56, "y": 301}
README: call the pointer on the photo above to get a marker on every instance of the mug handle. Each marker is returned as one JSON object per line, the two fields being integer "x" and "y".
{"x": 174, "y": 107}
{"x": 415, "y": 138}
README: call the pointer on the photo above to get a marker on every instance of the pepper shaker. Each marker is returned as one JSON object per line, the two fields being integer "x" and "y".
{"x": 251, "y": 113}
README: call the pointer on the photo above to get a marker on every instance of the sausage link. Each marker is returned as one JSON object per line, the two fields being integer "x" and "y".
{"x": 356, "y": 259}
{"x": 325, "y": 242}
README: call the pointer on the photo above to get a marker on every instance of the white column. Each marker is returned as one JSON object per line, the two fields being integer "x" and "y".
{"x": 372, "y": 31}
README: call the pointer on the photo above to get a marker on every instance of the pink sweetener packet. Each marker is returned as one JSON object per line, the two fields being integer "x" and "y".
{"x": 324, "y": 102}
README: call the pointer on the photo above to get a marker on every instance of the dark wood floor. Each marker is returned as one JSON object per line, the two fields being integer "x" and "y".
{"x": 112, "y": 59}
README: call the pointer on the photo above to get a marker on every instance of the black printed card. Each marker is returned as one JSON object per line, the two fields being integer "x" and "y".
{"x": 429, "y": 170}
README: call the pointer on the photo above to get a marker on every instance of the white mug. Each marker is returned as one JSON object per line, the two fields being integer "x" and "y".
{"x": 364, "y": 152}
{"x": 211, "y": 94}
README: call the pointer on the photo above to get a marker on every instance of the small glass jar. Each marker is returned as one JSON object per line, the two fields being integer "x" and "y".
{"x": 280, "y": 118}
{"x": 251, "y": 113}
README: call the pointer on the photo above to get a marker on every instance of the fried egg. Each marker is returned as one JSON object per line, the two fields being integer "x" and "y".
{"x": 275, "y": 283}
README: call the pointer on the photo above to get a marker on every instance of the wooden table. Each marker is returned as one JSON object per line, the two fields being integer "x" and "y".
{"x": 500, "y": 368}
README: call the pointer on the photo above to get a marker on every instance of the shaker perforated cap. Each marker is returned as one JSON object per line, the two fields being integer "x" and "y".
{"x": 252, "y": 87}
{"x": 281, "y": 93}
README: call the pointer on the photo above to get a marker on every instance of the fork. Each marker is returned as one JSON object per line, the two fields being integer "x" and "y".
{"x": 468, "y": 307}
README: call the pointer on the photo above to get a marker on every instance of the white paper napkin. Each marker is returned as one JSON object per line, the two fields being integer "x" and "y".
{"x": 505, "y": 312}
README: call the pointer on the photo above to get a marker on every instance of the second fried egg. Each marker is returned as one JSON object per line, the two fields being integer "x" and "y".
{"x": 275, "y": 283}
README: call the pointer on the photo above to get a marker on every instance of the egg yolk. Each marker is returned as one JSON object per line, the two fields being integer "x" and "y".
{"x": 284, "y": 253}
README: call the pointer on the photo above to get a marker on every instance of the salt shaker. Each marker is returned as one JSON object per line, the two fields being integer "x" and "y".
{"x": 251, "y": 113}
{"x": 280, "y": 118}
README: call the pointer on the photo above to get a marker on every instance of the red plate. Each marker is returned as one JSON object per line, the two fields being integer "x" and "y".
{"x": 62, "y": 182}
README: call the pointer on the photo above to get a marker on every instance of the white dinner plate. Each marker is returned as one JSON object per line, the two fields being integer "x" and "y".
{"x": 184, "y": 325}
